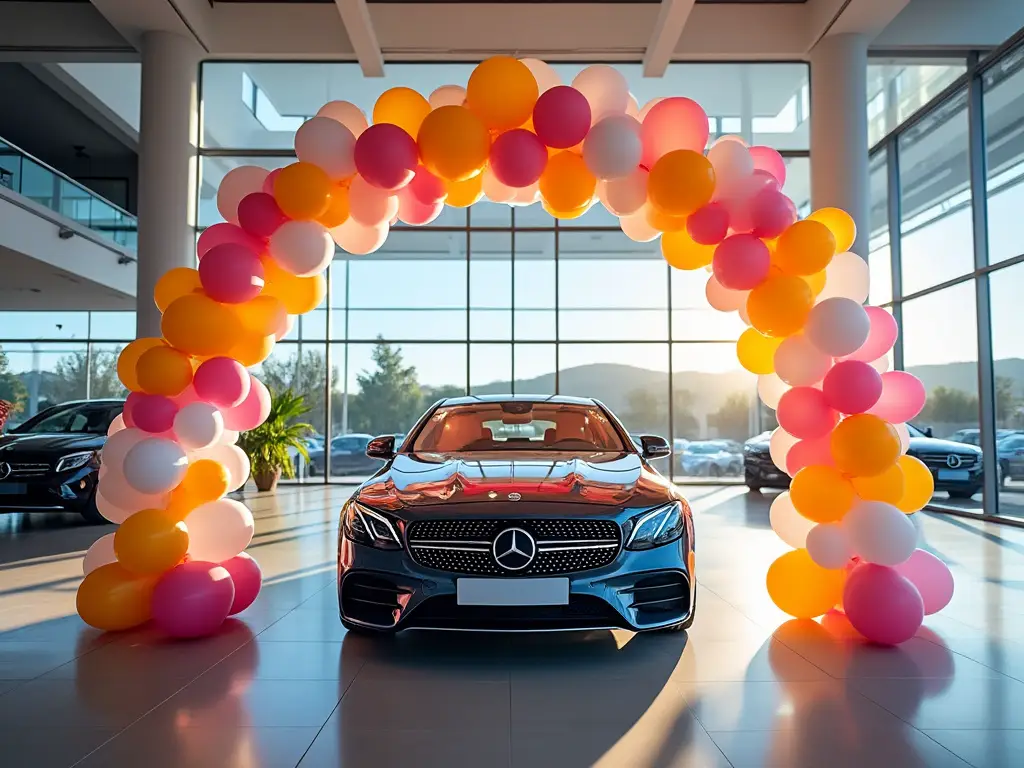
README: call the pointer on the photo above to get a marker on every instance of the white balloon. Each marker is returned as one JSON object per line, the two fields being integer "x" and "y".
{"x": 527, "y": 195}
{"x": 731, "y": 161}
{"x": 790, "y": 525}
{"x": 155, "y": 465}
{"x": 770, "y": 388}
{"x": 743, "y": 313}
{"x": 369, "y": 205}
{"x": 648, "y": 107}
{"x": 838, "y": 326}
{"x": 545, "y": 75}
{"x": 117, "y": 447}
{"x": 236, "y": 184}
{"x": 847, "y": 276}
{"x": 779, "y": 445}
{"x": 303, "y": 248}
{"x": 605, "y": 89}
{"x": 495, "y": 191}
{"x": 100, "y": 553}
{"x": 234, "y": 460}
{"x": 218, "y": 530}
{"x": 828, "y": 546}
{"x": 633, "y": 107}
{"x": 612, "y": 149}
{"x": 799, "y": 363}
{"x": 636, "y": 227}
{"x": 880, "y": 533}
{"x": 903, "y": 432}
{"x": 198, "y": 425}
{"x": 346, "y": 113}
{"x": 624, "y": 196}
{"x": 328, "y": 144}
{"x": 738, "y": 139}
{"x": 228, "y": 437}
{"x": 111, "y": 511}
{"x": 447, "y": 96}
{"x": 120, "y": 493}
{"x": 882, "y": 364}
{"x": 116, "y": 425}
{"x": 360, "y": 239}
{"x": 724, "y": 299}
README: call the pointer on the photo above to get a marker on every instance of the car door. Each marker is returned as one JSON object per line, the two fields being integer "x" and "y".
{"x": 1013, "y": 452}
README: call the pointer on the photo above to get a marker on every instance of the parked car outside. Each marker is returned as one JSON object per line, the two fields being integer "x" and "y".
{"x": 1010, "y": 451}
{"x": 973, "y": 436}
{"x": 348, "y": 457}
{"x": 709, "y": 458}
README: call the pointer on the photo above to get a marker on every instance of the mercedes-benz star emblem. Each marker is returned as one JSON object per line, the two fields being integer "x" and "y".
{"x": 515, "y": 496}
{"x": 953, "y": 461}
{"x": 5, "y": 470}
{"x": 514, "y": 549}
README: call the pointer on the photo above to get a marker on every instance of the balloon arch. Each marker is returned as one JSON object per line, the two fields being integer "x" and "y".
{"x": 517, "y": 135}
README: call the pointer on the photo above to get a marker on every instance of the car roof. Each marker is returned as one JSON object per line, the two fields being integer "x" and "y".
{"x": 557, "y": 399}
{"x": 97, "y": 401}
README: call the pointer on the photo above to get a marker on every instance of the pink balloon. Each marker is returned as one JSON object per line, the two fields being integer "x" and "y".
{"x": 151, "y": 413}
{"x": 882, "y": 605}
{"x": 187, "y": 396}
{"x": 361, "y": 239}
{"x": 932, "y": 578}
{"x": 386, "y": 156}
{"x": 268, "y": 183}
{"x": 709, "y": 225}
{"x": 222, "y": 381}
{"x": 222, "y": 233}
{"x": 767, "y": 159}
{"x": 561, "y": 117}
{"x": 426, "y": 187}
{"x": 803, "y": 412}
{"x": 259, "y": 215}
{"x": 126, "y": 416}
{"x": 518, "y": 158}
{"x": 881, "y": 336}
{"x": 852, "y": 387}
{"x": 247, "y": 578}
{"x": 741, "y": 262}
{"x": 808, "y": 453}
{"x": 252, "y": 411}
{"x": 231, "y": 274}
{"x": 771, "y": 213}
{"x": 192, "y": 599}
{"x": 415, "y": 212}
{"x": 673, "y": 123}
{"x": 902, "y": 397}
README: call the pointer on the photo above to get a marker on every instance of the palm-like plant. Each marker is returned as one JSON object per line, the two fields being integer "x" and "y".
{"x": 267, "y": 445}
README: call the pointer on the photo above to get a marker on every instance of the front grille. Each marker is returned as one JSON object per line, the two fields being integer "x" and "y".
{"x": 465, "y": 546}
{"x": 582, "y": 612}
{"x": 372, "y": 599}
{"x": 24, "y": 470}
{"x": 941, "y": 460}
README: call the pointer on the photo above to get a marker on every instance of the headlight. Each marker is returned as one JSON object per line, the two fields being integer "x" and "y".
{"x": 366, "y": 526}
{"x": 656, "y": 527}
{"x": 75, "y": 460}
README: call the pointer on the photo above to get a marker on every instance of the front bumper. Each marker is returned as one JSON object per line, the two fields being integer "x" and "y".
{"x": 67, "y": 491}
{"x": 759, "y": 471}
{"x": 644, "y": 590}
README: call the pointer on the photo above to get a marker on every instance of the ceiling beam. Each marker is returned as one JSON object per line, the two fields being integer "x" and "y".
{"x": 191, "y": 19}
{"x": 672, "y": 17}
{"x": 355, "y": 15}
{"x": 845, "y": 17}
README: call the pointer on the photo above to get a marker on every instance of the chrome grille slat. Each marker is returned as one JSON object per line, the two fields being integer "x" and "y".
{"x": 26, "y": 469}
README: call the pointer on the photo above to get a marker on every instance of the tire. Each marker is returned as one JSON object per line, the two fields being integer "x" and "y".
{"x": 963, "y": 494}
{"x": 91, "y": 514}
{"x": 1004, "y": 473}
{"x": 714, "y": 471}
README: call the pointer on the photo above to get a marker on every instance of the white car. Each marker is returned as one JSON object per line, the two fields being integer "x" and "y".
{"x": 709, "y": 459}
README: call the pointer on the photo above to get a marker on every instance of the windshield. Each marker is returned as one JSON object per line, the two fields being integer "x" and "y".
{"x": 83, "y": 418}
{"x": 914, "y": 431}
{"x": 517, "y": 426}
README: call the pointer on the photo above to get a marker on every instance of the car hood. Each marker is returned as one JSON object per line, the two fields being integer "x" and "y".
{"x": 934, "y": 444}
{"x": 607, "y": 478}
{"x": 46, "y": 448}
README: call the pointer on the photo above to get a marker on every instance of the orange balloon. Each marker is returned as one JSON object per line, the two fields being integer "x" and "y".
{"x": 665, "y": 223}
{"x": 174, "y": 284}
{"x": 681, "y": 182}
{"x": 683, "y": 252}
{"x": 302, "y": 191}
{"x": 887, "y": 487}
{"x": 804, "y": 248}
{"x": 403, "y": 107}
{"x": 198, "y": 325}
{"x": 566, "y": 184}
{"x": 821, "y": 493}
{"x": 251, "y": 349}
{"x": 129, "y": 358}
{"x": 150, "y": 541}
{"x": 263, "y": 315}
{"x": 164, "y": 371}
{"x": 564, "y": 215}
{"x": 113, "y": 598}
{"x": 864, "y": 445}
{"x": 756, "y": 352}
{"x": 206, "y": 480}
{"x": 502, "y": 92}
{"x": 462, "y": 194}
{"x": 454, "y": 143}
{"x": 918, "y": 484}
{"x": 299, "y": 295}
{"x": 779, "y": 306}
{"x": 336, "y": 212}
{"x": 801, "y": 587}
{"x": 840, "y": 224}
{"x": 816, "y": 282}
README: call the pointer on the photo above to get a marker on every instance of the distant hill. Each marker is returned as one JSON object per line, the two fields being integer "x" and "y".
{"x": 964, "y": 376}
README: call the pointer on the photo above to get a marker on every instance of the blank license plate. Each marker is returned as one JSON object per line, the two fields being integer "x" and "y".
{"x": 13, "y": 489}
{"x": 512, "y": 591}
{"x": 954, "y": 475}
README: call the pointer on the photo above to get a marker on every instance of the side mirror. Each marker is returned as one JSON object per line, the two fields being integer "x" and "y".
{"x": 928, "y": 432}
{"x": 381, "y": 448}
{"x": 654, "y": 447}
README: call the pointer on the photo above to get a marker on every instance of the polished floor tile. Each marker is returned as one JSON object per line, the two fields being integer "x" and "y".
{"x": 284, "y": 684}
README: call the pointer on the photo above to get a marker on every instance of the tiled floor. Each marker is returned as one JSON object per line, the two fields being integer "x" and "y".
{"x": 284, "y": 685}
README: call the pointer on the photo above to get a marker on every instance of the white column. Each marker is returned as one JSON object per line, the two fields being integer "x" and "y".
{"x": 168, "y": 137}
{"x": 839, "y": 129}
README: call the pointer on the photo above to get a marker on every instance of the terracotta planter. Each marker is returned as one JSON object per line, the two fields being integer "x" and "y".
{"x": 267, "y": 480}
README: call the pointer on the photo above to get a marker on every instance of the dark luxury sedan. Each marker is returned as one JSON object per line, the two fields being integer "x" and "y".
{"x": 519, "y": 513}
{"x": 956, "y": 467}
{"x": 51, "y": 462}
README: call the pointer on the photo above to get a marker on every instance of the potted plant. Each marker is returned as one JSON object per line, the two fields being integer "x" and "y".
{"x": 267, "y": 446}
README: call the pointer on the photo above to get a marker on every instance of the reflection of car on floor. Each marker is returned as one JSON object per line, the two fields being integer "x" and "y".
{"x": 956, "y": 467}
{"x": 516, "y": 513}
{"x": 709, "y": 458}
{"x": 51, "y": 462}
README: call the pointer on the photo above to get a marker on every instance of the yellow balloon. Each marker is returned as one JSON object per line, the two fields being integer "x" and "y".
{"x": 164, "y": 371}
{"x": 683, "y": 252}
{"x": 756, "y": 352}
{"x": 502, "y": 92}
{"x": 820, "y": 493}
{"x": 150, "y": 541}
{"x": 779, "y": 306}
{"x": 129, "y": 358}
{"x": 454, "y": 143}
{"x": 801, "y": 587}
{"x": 302, "y": 191}
{"x": 887, "y": 487}
{"x": 840, "y": 224}
{"x": 252, "y": 349}
{"x": 205, "y": 480}
{"x": 804, "y": 248}
{"x": 299, "y": 295}
{"x": 462, "y": 194}
{"x": 566, "y": 184}
{"x": 403, "y": 107}
{"x": 198, "y": 325}
{"x": 864, "y": 445}
{"x": 918, "y": 484}
{"x": 174, "y": 284}
{"x": 336, "y": 212}
{"x": 816, "y": 282}
{"x": 680, "y": 182}
{"x": 113, "y": 598}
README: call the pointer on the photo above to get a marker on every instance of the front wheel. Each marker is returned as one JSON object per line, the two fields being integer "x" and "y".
{"x": 91, "y": 514}
{"x": 714, "y": 471}
{"x": 963, "y": 494}
{"x": 1004, "y": 473}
